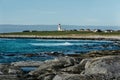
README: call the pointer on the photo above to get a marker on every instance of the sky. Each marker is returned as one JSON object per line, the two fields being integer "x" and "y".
{"x": 68, "y": 12}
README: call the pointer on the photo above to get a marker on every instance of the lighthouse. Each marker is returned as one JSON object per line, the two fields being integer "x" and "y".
{"x": 59, "y": 27}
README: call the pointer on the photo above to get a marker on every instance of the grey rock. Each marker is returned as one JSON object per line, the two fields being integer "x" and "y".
{"x": 54, "y": 65}
{"x": 67, "y": 77}
{"x": 47, "y": 76}
{"x": 69, "y": 61}
{"x": 76, "y": 69}
{"x": 26, "y": 63}
{"x": 4, "y": 68}
{"x": 84, "y": 61}
{"x": 1, "y": 73}
{"x": 14, "y": 71}
{"x": 83, "y": 77}
{"x": 9, "y": 77}
{"x": 57, "y": 77}
{"x": 108, "y": 65}
{"x": 65, "y": 68}
{"x": 8, "y": 72}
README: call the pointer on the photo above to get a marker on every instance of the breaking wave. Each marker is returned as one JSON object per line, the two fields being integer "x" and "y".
{"x": 52, "y": 44}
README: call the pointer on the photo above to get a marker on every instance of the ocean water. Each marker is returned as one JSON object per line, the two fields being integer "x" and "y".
{"x": 20, "y": 28}
{"x": 12, "y": 50}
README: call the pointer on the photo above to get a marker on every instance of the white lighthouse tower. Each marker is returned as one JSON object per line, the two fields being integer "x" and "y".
{"x": 59, "y": 27}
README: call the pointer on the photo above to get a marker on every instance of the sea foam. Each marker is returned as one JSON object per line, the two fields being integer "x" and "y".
{"x": 52, "y": 44}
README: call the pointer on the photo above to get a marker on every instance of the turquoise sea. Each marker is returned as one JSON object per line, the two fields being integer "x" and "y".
{"x": 12, "y": 50}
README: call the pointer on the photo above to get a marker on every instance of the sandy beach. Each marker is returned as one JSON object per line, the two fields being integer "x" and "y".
{"x": 92, "y": 37}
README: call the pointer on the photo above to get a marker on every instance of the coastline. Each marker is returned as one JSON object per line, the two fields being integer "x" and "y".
{"x": 86, "y": 37}
{"x": 98, "y": 64}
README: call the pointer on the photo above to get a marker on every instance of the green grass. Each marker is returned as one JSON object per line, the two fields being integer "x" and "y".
{"x": 62, "y": 33}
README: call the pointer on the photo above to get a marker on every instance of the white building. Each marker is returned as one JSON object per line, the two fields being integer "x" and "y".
{"x": 106, "y": 31}
{"x": 59, "y": 27}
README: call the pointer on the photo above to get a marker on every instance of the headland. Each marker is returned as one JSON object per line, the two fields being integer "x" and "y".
{"x": 63, "y": 35}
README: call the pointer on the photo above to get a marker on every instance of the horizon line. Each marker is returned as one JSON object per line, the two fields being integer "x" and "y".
{"x": 61, "y": 24}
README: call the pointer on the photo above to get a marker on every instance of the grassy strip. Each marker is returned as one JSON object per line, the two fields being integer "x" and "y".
{"x": 63, "y": 33}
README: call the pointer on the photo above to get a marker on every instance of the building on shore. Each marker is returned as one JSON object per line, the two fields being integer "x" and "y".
{"x": 82, "y": 29}
{"x": 97, "y": 30}
{"x": 59, "y": 27}
{"x": 106, "y": 31}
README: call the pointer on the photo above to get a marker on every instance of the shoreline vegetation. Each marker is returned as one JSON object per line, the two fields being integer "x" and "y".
{"x": 63, "y": 35}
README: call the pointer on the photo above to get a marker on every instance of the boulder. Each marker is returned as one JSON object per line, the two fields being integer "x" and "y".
{"x": 84, "y": 61}
{"x": 15, "y": 70}
{"x": 47, "y": 76}
{"x": 4, "y": 68}
{"x": 55, "y": 65}
{"x": 108, "y": 66}
{"x": 8, "y": 72}
{"x": 83, "y": 77}
{"x": 1, "y": 73}
{"x": 27, "y": 63}
{"x": 76, "y": 69}
{"x": 100, "y": 68}
{"x": 57, "y": 77}
{"x": 67, "y": 77}
{"x": 9, "y": 77}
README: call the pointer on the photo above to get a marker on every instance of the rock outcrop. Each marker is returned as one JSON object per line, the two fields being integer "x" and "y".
{"x": 102, "y": 65}
{"x": 55, "y": 65}
{"x": 69, "y": 68}
{"x": 8, "y": 72}
{"x": 26, "y": 63}
{"x": 108, "y": 65}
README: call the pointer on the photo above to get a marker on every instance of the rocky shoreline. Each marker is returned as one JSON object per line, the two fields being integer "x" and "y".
{"x": 95, "y": 65}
